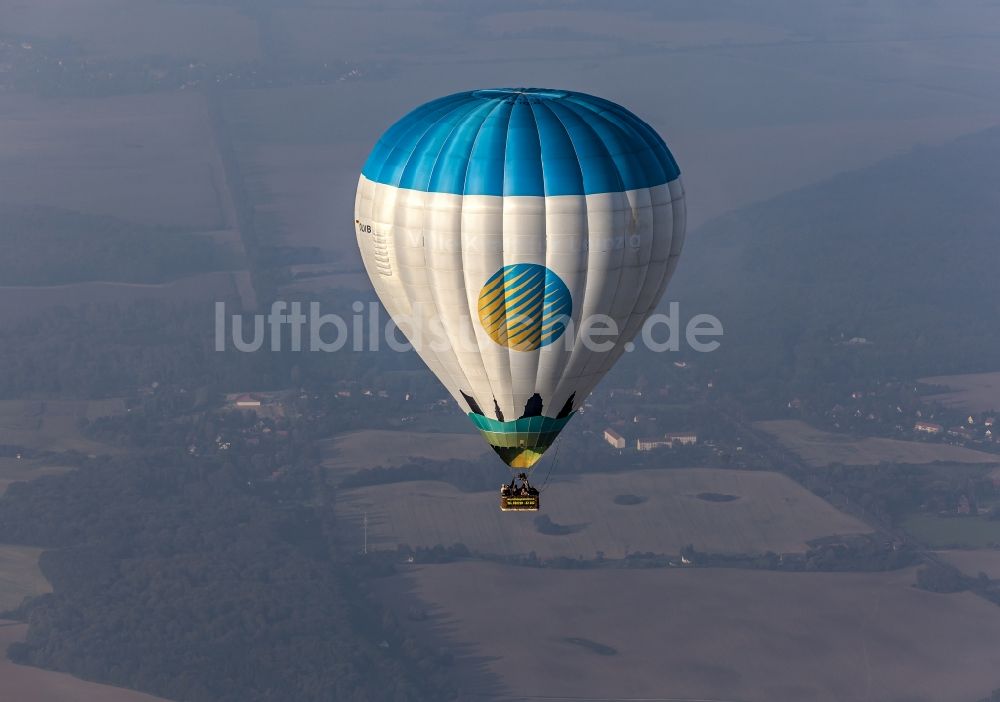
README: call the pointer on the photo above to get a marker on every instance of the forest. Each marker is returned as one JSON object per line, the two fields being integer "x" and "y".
{"x": 175, "y": 576}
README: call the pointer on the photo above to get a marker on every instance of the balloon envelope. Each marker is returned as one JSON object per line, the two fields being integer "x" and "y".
{"x": 520, "y": 238}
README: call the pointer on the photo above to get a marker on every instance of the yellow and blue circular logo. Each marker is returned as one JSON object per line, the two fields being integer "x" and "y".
{"x": 524, "y": 306}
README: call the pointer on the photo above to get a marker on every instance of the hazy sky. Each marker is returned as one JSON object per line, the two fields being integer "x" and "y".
{"x": 754, "y": 97}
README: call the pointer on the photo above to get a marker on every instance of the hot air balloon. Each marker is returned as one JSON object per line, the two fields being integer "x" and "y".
{"x": 497, "y": 225}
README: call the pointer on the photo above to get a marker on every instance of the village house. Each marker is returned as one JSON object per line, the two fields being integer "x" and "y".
{"x": 247, "y": 402}
{"x": 614, "y": 438}
{"x": 652, "y": 444}
{"x": 928, "y": 427}
{"x": 683, "y": 438}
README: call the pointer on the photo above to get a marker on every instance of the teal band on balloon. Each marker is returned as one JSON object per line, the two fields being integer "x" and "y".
{"x": 524, "y": 425}
{"x": 521, "y": 442}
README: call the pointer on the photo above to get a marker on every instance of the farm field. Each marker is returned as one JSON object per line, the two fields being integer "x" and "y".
{"x": 54, "y": 424}
{"x": 20, "y": 576}
{"x": 707, "y": 634}
{"x": 311, "y": 33}
{"x": 820, "y": 448}
{"x": 307, "y": 189}
{"x": 13, "y": 470}
{"x": 770, "y": 513}
{"x": 328, "y": 281}
{"x": 973, "y": 392}
{"x": 300, "y": 150}
{"x": 972, "y": 563}
{"x": 954, "y": 532}
{"x": 370, "y": 448}
{"x": 20, "y": 683}
{"x": 150, "y": 158}
{"x": 110, "y": 29}
{"x": 21, "y": 302}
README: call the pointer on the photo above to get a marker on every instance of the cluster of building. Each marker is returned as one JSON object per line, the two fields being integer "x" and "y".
{"x": 974, "y": 428}
{"x": 367, "y": 392}
{"x": 263, "y": 424}
{"x": 669, "y": 440}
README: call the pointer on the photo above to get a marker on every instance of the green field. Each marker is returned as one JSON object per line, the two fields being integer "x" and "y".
{"x": 953, "y": 532}
{"x": 973, "y": 562}
{"x": 370, "y": 448}
{"x": 54, "y": 425}
{"x": 13, "y": 470}
{"x": 821, "y": 448}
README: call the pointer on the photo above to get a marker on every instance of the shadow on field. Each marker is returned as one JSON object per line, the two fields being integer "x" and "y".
{"x": 545, "y": 525}
{"x": 436, "y": 628}
{"x": 592, "y": 646}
